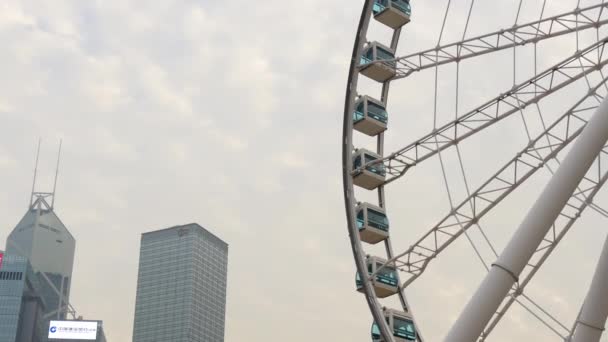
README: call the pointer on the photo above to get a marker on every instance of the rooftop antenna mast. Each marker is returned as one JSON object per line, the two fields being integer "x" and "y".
{"x": 35, "y": 172}
{"x": 56, "y": 174}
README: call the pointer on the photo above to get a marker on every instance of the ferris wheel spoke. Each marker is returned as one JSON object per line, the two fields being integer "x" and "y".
{"x": 541, "y": 151}
{"x": 599, "y": 209}
{"x": 539, "y": 313}
{"x": 570, "y": 214}
{"x": 580, "y": 196}
{"x": 544, "y": 317}
{"x": 595, "y": 207}
{"x": 463, "y": 173}
{"x": 529, "y": 92}
{"x": 416, "y": 258}
{"x": 533, "y": 32}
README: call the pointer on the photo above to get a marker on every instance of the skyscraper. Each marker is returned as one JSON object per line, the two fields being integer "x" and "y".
{"x": 21, "y": 306}
{"x": 181, "y": 287}
{"x": 37, "y": 269}
{"x": 45, "y": 241}
{"x": 47, "y": 244}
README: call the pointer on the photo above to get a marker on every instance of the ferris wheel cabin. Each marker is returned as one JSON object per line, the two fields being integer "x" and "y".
{"x": 370, "y": 116}
{"x": 378, "y": 62}
{"x": 372, "y": 223}
{"x": 400, "y": 323}
{"x": 385, "y": 282}
{"x": 372, "y": 175}
{"x": 392, "y": 13}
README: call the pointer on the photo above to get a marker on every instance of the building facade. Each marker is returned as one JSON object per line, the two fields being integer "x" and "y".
{"x": 46, "y": 243}
{"x": 181, "y": 287}
{"x": 21, "y": 306}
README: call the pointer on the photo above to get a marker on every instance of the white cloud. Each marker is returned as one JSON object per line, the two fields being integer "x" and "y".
{"x": 6, "y": 160}
{"x": 102, "y": 82}
{"x": 229, "y": 113}
{"x": 5, "y": 106}
{"x": 12, "y": 15}
{"x": 292, "y": 160}
{"x": 108, "y": 144}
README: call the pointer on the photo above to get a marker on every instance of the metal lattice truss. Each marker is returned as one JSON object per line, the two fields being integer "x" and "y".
{"x": 579, "y": 201}
{"x": 576, "y": 20}
{"x": 512, "y": 101}
{"x": 545, "y": 147}
{"x": 533, "y": 157}
{"x": 467, "y": 214}
{"x": 539, "y": 152}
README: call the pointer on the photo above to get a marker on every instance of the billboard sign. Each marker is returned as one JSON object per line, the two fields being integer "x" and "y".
{"x": 1, "y": 257}
{"x": 72, "y": 330}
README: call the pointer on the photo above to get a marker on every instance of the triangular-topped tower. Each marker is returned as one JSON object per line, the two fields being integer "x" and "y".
{"x": 41, "y": 237}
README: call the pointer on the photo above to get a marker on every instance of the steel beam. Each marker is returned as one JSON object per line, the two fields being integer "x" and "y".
{"x": 512, "y": 101}
{"x": 530, "y": 33}
{"x": 594, "y": 181}
{"x": 530, "y": 159}
{"x": 506, "y": 270}
{"x": 590, "y": 324}
{"x": 347, "y": 162}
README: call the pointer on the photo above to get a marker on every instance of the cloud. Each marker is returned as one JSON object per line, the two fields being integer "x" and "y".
{"x": 230, "y": 114}
{"x": 6, "y": 160}
{"x": 290, "y": 160}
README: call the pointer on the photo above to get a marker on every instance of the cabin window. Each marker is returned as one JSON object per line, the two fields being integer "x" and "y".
{"x": 377, "y": 219}
{"x": 377, "y": 112}
{"x": 359, "y": 113}
{"x": 360, "y": 219}
{"x": 404, "y": 328}
{"x": 382, "y": 54}
{"x": 387, "y": 275}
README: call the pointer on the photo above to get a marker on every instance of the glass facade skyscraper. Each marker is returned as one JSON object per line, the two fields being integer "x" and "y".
{"x": 181, "y": 287}
{"x": 21, "y": 306}
{"x": 47, "y": 244}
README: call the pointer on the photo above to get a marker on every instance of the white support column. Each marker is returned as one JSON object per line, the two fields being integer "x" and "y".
{"x": 505, "y": 272}
{"x": 590, "y": 324}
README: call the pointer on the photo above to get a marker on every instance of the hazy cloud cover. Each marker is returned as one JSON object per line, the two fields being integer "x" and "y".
{"x": 229, "y": 114}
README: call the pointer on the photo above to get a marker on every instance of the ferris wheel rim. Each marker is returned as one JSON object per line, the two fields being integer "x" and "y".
{"x": 347, "y": 149}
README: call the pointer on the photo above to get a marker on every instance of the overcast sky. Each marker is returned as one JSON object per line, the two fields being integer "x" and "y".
{"x": 229, "y": 114}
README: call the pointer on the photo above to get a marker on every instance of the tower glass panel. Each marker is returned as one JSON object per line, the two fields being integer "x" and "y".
{"x": 46, "y": 243}
{"x": 181, "y": 289}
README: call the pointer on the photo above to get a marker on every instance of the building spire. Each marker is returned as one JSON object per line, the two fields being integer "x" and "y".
{"x": 35, "y": 173}
{"x": 56, "y": 174}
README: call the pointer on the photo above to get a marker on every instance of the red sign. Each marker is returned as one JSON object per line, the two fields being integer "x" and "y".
{"x": 1, "y": 257}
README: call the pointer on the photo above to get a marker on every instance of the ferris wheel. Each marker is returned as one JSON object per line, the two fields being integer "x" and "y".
{"x": 550, "y": 98}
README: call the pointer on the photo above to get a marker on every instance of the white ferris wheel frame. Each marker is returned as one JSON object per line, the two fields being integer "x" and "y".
{"x": 575, "y": 184}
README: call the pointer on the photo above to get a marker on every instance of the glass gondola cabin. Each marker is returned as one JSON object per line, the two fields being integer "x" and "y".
{"x": 392, "y": 13}
{"x": 377, "y": 62}
{"x": 400, "y": 323}
{"x": 372, "y": 223}
{"x": 371, "y": 176}
{"x": 370, "y": 116}
{"x": 385, "y": 282}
